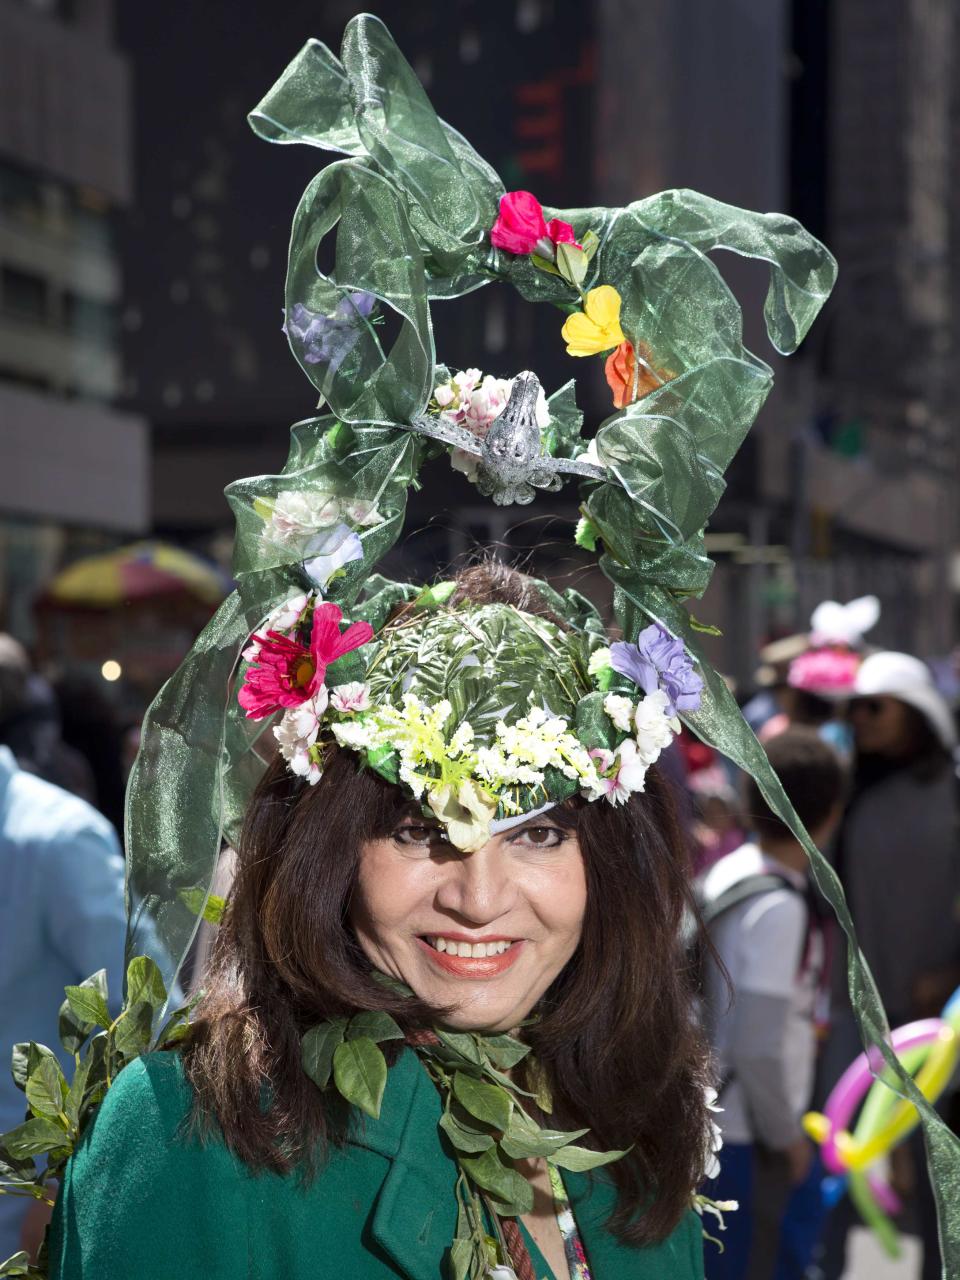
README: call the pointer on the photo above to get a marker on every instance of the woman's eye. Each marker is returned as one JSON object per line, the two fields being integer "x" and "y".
{"x": 412, "y": 834}
{"x": 542, "y": 837}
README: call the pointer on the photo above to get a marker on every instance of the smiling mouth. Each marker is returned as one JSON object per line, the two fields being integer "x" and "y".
{"x": 465, "y": 959}
{"x": 469, "y": 950}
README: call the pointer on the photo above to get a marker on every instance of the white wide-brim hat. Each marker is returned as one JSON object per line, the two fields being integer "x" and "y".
{"x": 899, "y": 675}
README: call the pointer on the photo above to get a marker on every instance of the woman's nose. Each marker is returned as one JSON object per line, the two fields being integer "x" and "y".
{"x": 477, "y": 886}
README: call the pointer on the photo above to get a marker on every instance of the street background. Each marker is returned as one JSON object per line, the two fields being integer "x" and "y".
{"x": 143, "y": 230}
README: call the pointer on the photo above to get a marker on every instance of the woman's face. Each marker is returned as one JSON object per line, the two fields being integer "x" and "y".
{"x": 881, "y": 725}
{"x": 484, "y": 933}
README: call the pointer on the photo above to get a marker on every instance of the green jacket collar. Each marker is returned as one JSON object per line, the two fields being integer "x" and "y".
{"x": 416, "y": 1208}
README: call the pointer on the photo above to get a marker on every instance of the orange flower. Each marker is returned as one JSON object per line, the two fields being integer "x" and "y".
{"x": 619, "y": 368}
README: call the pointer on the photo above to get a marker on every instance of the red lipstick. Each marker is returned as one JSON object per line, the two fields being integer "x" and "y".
{"x": 473, "y": 966}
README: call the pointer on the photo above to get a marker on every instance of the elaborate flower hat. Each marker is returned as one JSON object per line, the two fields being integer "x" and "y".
{"x": 828, "y": 668}
{"x": 482, "y": 712}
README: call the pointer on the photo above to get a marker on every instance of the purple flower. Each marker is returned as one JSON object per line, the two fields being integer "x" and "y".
{"x": 658, "y": 661}
{"x": 328, "y": 339}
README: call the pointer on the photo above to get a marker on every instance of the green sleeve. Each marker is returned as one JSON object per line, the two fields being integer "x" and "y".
{"x": 694, "y": 1228}
{"x": 140, "y": 1198}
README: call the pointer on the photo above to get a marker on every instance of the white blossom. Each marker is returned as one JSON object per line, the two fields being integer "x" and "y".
{"x": 599, "y": 661}
{"x": 653, "y": 727}
{"x": 297, "y": 515}
{"x": 353, "y": 696}
{"x": 620, "y": 710}
{"x": 297, "y": 733}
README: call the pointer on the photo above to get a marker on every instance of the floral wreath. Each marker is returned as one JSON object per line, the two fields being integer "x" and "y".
{"x": 419, "y": 218}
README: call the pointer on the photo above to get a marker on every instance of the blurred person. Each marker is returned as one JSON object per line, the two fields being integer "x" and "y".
{"x": 62, "y": 918}
{"x": 30, "y": 723}
{"x": 718, "y": 823}
{"x": 92, "y": 727}
{"x": 761, "y": 999}
{"x": 897, "y": 858}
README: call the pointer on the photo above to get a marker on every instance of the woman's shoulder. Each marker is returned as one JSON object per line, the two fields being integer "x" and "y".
{"x": 151, "y": 1095}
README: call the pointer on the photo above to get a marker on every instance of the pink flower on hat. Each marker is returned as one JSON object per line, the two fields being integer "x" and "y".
{"x": 288, "y": 673}
{"x": 520, "y": 227}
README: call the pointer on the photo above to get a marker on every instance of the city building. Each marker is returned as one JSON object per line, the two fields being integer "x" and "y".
{"x": 75, "y": 468}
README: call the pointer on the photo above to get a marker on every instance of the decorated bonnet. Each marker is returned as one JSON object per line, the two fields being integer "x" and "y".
{"x": 482, "y": 713}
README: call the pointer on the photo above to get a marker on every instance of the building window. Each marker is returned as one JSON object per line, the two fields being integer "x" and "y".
{"x": 90, "y": 320}
{"x": 23, "y": 295}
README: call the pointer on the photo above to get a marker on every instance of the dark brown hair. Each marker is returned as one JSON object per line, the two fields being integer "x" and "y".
{"x": 615, "y": 1033}
{"x": 813, "y": 777}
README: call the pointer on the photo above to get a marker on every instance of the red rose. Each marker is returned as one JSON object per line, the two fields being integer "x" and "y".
{"x": 520, "y": 227}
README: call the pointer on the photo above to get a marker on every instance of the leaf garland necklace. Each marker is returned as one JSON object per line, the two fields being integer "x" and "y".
{"x": 484, "y": 1118}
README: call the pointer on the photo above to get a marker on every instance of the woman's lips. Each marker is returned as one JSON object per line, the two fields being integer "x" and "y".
{"x": 473, "y": 966}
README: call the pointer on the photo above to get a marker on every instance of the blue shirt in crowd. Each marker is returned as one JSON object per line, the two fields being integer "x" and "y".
{"x": 61, "y": 919}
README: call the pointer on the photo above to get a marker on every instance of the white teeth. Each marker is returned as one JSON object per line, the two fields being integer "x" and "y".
{"x": 468, "y": 950}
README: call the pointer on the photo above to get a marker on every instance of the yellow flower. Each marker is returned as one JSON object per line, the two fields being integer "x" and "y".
{"x": 597, "y": 327}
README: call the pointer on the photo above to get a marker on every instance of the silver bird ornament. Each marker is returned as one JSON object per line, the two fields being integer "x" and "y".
{"x": 512, "y": 464}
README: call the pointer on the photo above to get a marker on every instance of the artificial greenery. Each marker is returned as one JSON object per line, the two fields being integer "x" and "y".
{"x": 34, "y": 1154}
{"x": 487, "y": 1119}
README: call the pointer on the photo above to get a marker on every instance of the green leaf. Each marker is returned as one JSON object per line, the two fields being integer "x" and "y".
{"x": 487, "y": 1102}
{"x": 488, "y": 1171}
{"x": 590, "y": 243}
{"x": 318, "y": 1047}
{"x": 462, "y": 1043}
{"x": 579, "y": 1159}
{"x": 213, "y": 911}
{"x": 134, "y": 1029}
{"x": 17, "y": 1265}
{"x": 461, "y": 1256}
{"x": 538, "y": 1079}
{"x": 385, "y": 761}
{"x": 46, "y": 1087}
{"x": 20, "y": 1063}
{"x": 705, "y": 628}
{"x": 525, "y": 1140}
{"x": 35, "y": 1138}
{"x": 572, "y": 264}
{"x": 505, "y": 1051}
{"x": 463, "y": 1136}
{"x": 375, "y": 1024}
{"x": 144, "y": 983}
{"x": 177, "y": 1024}
{"x": 198, "y": 903}
{"x": 88, "y": 1001}
{"x": 360, "y": 1074}
{"x": 543, "y": 264}
{"x": 586, "y": 534}
{"x": 436, "y": 596}
{"x": 16, "y": 1169}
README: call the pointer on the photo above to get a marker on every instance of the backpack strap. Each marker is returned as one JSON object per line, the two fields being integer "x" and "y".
{"x": 749, "y": 887}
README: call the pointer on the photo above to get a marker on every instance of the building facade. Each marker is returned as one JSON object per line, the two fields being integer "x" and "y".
{"x": 75, "y": 469}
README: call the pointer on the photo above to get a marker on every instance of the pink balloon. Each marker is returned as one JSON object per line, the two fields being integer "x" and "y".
{"x": 852, "y": 1087}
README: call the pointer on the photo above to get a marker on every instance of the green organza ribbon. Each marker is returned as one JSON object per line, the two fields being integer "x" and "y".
{"x": 405, "y": 216}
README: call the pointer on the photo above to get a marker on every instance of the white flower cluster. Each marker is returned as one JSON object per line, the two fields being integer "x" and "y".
{"x": 298, "y": 515}
{"x": 519, "y": 755}
{"x": 523, "y": 751}
{"x": 622, "y": 772}
{"x": 299, "y": 728}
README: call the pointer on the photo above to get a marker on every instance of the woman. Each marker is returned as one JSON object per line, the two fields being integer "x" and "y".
{"x": 468, "y": 765}
{"x": 347, "y": 899}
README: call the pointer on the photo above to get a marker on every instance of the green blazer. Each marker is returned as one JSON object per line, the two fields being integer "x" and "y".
{"x": 142, "y": 1201}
